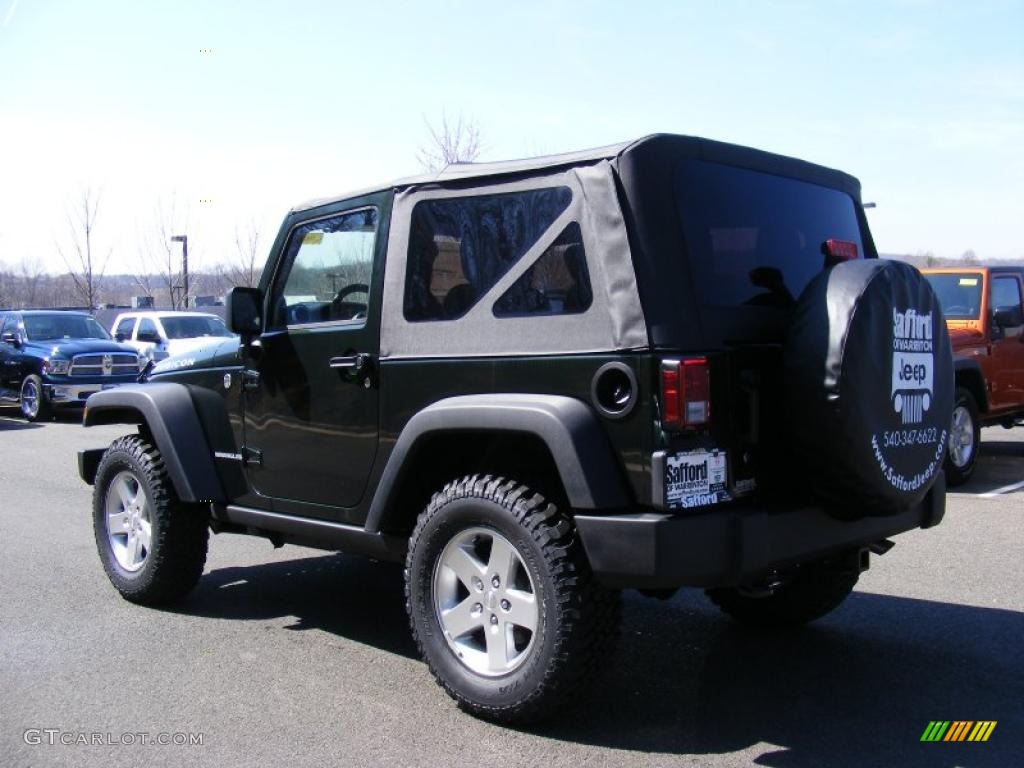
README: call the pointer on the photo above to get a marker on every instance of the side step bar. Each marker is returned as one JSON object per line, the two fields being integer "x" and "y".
{"x": 310, "y": 532}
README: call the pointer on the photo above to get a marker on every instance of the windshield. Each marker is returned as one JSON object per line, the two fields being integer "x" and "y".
{"x": 959, "y": 294}
{"x": 754, "y": 238}
{"x": 63, "y": 326}
{"x": 186, "y": 327}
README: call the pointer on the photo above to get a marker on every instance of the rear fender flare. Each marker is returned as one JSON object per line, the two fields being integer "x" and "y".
{"x": 586, "y": 464}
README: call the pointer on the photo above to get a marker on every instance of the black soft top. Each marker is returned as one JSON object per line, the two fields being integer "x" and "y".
{"x": 665, "y": 146}
{"x": 673, "y": 310}
{"x": 643, "y": 173}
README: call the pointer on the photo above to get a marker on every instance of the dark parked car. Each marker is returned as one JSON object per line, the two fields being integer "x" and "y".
{"x": 667, "y": 363}
{"x": 50, "y": 359}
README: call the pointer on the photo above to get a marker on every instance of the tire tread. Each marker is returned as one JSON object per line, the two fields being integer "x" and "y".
{"x": 179, "y": 546}
{"x": 590, "y": 613}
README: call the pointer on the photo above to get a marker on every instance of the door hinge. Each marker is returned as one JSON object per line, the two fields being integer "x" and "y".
{"x": 252, "y": 457}
{"x": 250, "y": 380}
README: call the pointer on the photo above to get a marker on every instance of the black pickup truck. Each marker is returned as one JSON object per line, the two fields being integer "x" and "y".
{"x": 662, "y": 364}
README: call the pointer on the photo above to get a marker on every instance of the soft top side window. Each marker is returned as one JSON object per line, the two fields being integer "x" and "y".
{"x": 460, "y": 247}
{"x": 558, "y": 283}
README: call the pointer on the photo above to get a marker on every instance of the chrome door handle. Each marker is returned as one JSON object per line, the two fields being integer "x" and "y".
{"x": 358, "y": 363}
{"x": 350, "y": 363}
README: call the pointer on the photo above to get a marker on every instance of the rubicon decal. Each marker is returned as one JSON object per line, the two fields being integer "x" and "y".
{"x": 913, "y": 364}
{"x": 958, "y": 730}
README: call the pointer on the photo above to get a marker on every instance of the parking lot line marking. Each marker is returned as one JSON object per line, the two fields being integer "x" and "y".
{"x": 1000, "y": 491}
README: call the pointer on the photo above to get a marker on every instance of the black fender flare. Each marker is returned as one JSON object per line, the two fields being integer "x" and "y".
{"x": 586, "y": 464}
{"x": 966, "y": 368}
{"x": 169, "y": 413}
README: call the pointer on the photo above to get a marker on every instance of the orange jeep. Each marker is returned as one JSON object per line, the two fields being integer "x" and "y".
{"x": 985, "y": 316}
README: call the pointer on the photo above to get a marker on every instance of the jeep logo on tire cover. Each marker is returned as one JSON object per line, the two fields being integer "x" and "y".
{"x": 913, "y": 364}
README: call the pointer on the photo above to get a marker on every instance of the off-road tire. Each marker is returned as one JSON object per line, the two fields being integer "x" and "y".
{"x": 179, "y": 532}
{"x": 42, "y": 410}
{"x": 578, "y": 618}
{"x": 809, "y": 594}
{"x": 958, "y": 475}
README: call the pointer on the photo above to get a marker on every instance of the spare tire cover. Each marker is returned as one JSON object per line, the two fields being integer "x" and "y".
{"x": 869, "y": 377}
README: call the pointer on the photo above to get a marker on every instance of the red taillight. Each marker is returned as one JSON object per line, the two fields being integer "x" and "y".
{"x": 839, "y": 250}
{"x": 685, "y": 393}
{"x": 670, "y": 393}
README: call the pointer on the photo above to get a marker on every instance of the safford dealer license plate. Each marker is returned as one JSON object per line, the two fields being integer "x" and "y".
{"x": 695, "y": 479}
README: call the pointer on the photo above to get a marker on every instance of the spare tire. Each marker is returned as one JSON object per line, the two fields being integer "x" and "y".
{"x": 869, "y": 381}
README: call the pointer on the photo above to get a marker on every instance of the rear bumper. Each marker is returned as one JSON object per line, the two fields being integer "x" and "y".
{"x": 728, "y": 546}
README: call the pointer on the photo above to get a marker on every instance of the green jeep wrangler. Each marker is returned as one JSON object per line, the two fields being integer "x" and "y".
{"x": 671, "y": 362}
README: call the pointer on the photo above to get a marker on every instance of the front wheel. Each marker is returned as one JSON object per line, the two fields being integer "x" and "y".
{"x": 35, "y": 405}
{"x": 152, "y": 546}
{"x": 964, "y": 437}
{"x": 502, "y": 603}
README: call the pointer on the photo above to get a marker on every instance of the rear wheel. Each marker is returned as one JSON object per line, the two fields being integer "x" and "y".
{"x": 35, "y": 405}
{"x": 152, "y": 546}
{"x": 503, "y": 606}
{"x": 964, "y": 437}
{"x": 806, "y": 594}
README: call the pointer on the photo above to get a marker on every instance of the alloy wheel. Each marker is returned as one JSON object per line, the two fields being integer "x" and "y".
{"x": 485, "y": 602}
{"x": 961, "y": 437}
{"x": 30, "y": 399}
{"x": 129, "y": 525}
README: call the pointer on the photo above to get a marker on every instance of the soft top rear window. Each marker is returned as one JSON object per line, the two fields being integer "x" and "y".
{"x": 754, "y": 238}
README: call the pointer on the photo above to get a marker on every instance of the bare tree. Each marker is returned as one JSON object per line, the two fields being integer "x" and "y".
{"x": 457, "y": 142}
{"x": 31, "y": 276}
{"x": 246, "y": 266}
{"x": 160, "y": 258}
{"x": 8, "y": 286}
{"x": 969, "y": 256}
{"x": 85, "y": 265}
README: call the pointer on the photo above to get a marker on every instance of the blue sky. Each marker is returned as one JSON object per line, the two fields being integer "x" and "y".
{"x": 922, "y": 100}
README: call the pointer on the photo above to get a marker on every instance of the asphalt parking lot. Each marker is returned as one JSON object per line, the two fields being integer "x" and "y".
{"x": 300, "y": 657}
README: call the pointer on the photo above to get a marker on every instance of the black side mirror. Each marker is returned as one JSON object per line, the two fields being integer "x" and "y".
{"x": 151, "y": 337}
{"x": 12, "y": 338}
{"x": 1008, "y": 317}
{"x": 243, "y": 312}
{"x": 119, "y": 337}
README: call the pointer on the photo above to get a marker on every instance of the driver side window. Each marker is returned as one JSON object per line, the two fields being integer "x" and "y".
{"x": 325, "y": 274}
{"x": 147, "y": 331}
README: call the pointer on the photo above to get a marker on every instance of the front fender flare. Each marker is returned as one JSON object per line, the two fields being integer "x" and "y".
{"x": 586, "y": 464}
{"x": 171, "y": 416}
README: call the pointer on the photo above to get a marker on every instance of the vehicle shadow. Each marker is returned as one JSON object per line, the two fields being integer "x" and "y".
{"x": 1000, "y": 463}
{"x": 857, "y": 688}
{"x": 317, "y": 590}
{"x": 68, "y": 415}
{"x": 11, "y": 418}
{"x": 12, "y": 421}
